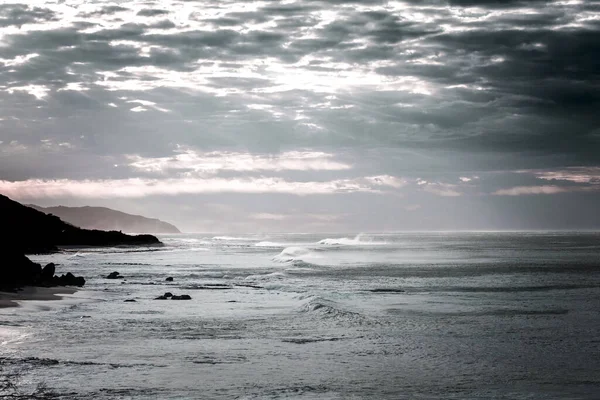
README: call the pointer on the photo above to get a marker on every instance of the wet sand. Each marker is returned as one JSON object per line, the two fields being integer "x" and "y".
{"x": 10, "y": 299}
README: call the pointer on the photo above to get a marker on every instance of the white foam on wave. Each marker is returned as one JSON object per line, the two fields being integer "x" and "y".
{"x": 330, "y": 310}
{"x": 78, "y": 255}
{"x": 187, "y": 240}
{"x": 266, "y": 277}
{"x": 294, "y": 253}
{"x": 231, "y": 238}
{"x": 269, "y": 244}
{"x": 10, "y": 335}
{"x": 356, "y": 241}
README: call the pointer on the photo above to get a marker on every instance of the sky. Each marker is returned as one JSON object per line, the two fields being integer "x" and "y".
{"x": 306, "y": 116}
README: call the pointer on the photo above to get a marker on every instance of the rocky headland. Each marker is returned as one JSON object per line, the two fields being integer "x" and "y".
{"x": 29, "y": 231}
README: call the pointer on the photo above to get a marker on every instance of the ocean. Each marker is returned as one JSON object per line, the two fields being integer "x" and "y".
{"x": 479, "y": 315}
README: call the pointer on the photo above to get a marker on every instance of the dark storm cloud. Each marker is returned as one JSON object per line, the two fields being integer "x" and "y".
{"x": 492, "y": 4}
{"x": 20, "y": 14}
{"x": 152, "y": 12}
{"x": 497, "y": 3}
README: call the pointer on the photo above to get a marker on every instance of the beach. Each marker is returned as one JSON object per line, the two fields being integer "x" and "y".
{"x": 12, "y": 299}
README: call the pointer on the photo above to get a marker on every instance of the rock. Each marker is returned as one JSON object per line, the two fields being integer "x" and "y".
{"x": 48, "y": 272}
{"x": 160, "y": 298}
{"x": 169, "y": 279}
{"x": 18, "y": 270}
{"x": 130, "y": 301}
{"x": 69, "y": 280}
{"x": 168, "y": 294}
{"x": 182, "y": 297}
{"x": 114, "y": 275}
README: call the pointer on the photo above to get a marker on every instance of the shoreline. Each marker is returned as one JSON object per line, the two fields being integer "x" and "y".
{"x": 11, "y": 299}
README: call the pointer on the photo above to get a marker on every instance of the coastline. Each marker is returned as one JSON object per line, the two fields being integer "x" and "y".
{"x": 11, "y": 299}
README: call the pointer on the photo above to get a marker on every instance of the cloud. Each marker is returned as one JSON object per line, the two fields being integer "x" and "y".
{"x": 571, "y": 174}
{"x": 532, "y": 190}
{"x": 332, "y": 96}
{"x": 442, "y": 189}
{"x": 471, "y": 77}
{"x": 191, "y": 161}
{"x": 387, "y": 180}
{"x": 138, "y": 187}
{"x": 269, "y": 216}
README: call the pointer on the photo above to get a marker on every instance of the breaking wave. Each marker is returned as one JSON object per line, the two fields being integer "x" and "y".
{"x": 358, "y": 240}
{"x": 231, "y": 238}
{"x": 290, "y": 254}
{"x": 330, "y": 310}
{"x": 265, "y": 277}
{"x": 269, "y": 244}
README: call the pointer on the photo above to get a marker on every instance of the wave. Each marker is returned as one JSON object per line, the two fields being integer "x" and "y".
{"x": 43, "y": 362}
{"x": 185, "y": 240}
{"x": 516, "y": 289}
{"x": 356, "y": 241}
{"x": 231, "y": 238}
{"x": 124, "y": 263}
{"x": 78, "y": 255}
{"x": 208, "y": 286}
{"x": 479, "y": 313}
{"x": 302, "y": 266}
{"x": 269, "y": 244}
{"x": 305, "y": 340}
{"x": 330, "y": 310}
{"x": 264, "y": 277}
{"x": 290, "y": 254}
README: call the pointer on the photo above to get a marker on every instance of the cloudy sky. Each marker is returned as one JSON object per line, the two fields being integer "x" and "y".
{"x": 306, "y": 115}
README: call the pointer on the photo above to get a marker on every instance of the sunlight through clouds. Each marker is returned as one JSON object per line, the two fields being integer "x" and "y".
{"x": 467, "y": 102}
{"x": 213, "y": 162}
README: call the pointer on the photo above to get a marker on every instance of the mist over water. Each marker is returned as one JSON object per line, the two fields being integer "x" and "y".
{"x": 286, "y": 316}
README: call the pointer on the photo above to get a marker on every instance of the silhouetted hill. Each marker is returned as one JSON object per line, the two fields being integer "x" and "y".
{"x": 27, "y": 230}
{"x": 107, "y": 219}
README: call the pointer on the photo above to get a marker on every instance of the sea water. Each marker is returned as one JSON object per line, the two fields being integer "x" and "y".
{"x": 376, "y": 316}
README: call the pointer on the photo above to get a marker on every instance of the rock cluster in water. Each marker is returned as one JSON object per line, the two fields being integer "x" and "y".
{"x": 171, "y": 296}
{"x": 18, "y": 270}
{"x": 114, "y": 275}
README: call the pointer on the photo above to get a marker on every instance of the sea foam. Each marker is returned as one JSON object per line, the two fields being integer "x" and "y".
{"x": 356, "y": 241}
{"x": 294, "y": 253}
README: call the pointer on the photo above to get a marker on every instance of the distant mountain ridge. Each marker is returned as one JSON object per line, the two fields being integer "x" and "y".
{"x": 107, "y": 219}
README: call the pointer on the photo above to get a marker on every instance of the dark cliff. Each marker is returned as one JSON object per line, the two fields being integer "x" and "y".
{"x": 27, "y": 230}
